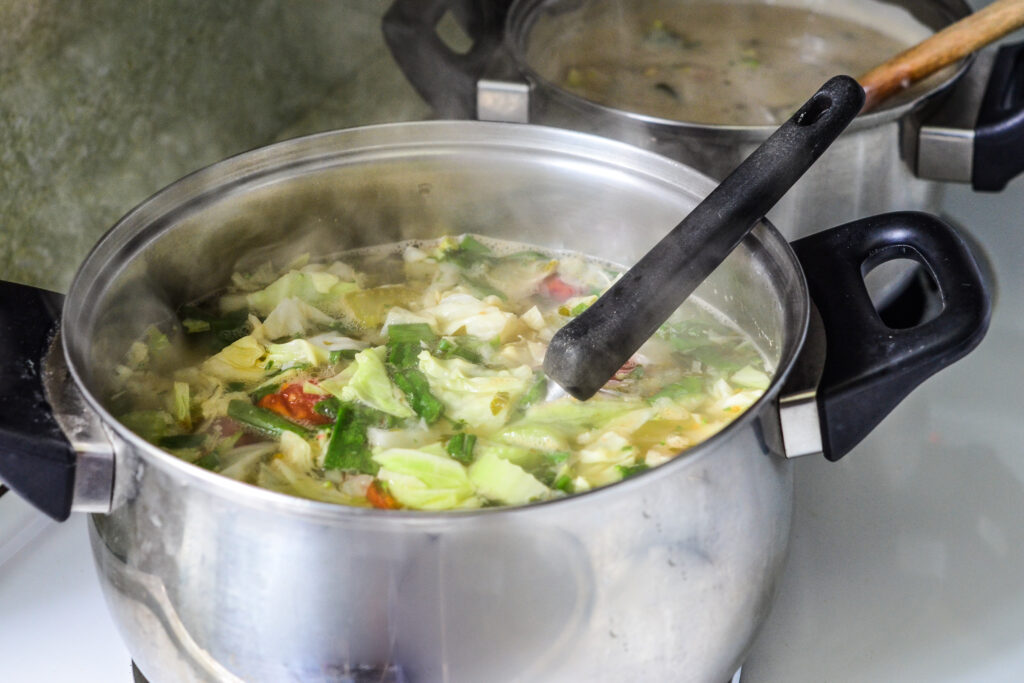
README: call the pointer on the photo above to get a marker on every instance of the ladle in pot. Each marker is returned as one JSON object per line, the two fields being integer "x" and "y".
{"x": 940, "y": 50}
{"x": 590, "y": 348}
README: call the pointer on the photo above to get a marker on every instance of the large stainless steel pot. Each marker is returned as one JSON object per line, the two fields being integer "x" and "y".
{"x": 665, "y": 576}
{"x": 966, "y": 126}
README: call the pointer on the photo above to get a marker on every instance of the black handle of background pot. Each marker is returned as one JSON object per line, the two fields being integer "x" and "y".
{"x": 444, "y": 78}
{"x": 869, "y": 367}
{"x": 36, "y": 460}
{"x": 999, "y": 132}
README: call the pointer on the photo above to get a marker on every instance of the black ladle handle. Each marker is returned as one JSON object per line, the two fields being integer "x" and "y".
{"x": 588, "y": 350}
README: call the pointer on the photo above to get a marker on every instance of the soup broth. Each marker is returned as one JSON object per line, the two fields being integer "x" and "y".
{"x": 409, "y": 376}
{"x": 724, "y": 63}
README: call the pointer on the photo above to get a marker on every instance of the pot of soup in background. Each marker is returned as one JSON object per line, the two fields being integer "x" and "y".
{"x": 665, "y": 574}
{"x": 706, "y": 81}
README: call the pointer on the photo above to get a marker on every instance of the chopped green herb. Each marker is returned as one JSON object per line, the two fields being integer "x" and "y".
{"x": 460, "y": 447}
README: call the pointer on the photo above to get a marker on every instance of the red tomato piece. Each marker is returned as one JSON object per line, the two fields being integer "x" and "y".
{"x": 557, "y": 288}
{"x": 293, "y": 402}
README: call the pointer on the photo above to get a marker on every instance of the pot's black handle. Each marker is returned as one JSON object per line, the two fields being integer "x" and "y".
{"x": 869, "y": 367}
{"x": 999, "y": 132}
{"x": 36, "y": 459}
{"x": 444, "y": 78}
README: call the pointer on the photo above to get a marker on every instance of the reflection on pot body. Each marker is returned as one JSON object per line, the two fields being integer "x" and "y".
{"x": 655, "y": 578}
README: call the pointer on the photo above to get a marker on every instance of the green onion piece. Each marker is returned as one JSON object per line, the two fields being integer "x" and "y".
{"x": 563, "y": 483}
{"x": 266, "y": 390}
{"x": 406, "y": 340}
{"x": 411, "y": 332}
{"x": 404, "y": 354}
{"x": 538, "y": 389}
{"x": 414, "y": 385}
{"x": 460, "y": 447}
{"x": 265, "y": 422}
{"x": 340, "y": 355}
{"x": 220, "y": 330}
{"x": 347, "y": 448}
{"x": 469, "y": 252}
{"x": 175, "y": 441}
{"x": 328, "y": 407}
{"x": 447, "y": 348}
{"x": 551, "y": 467}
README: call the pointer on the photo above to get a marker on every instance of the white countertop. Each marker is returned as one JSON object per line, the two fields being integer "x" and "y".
{"x": 907, "y": 557}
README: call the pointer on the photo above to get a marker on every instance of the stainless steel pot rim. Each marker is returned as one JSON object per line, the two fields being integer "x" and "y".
{"x": 319, "y": 151}
{"x": 519, "y": 22}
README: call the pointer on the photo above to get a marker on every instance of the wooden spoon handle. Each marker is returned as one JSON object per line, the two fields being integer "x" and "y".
{"x": 942, "y": 49}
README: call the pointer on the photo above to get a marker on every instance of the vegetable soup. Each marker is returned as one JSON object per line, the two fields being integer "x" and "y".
{"x": 409, "y": 376}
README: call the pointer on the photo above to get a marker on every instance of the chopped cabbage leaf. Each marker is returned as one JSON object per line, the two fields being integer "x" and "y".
{"x": 459, "y": 312}
{"x": 370, "y": 384}
{"x": 499, "y": 480}
{"x": 751, "y": 378}
{"x": 322, "y": 290}
{"x": 240, "y": 361}
{"x": 425, "y": 478}
{"x": 298, "y": 352}
{"x": 297, "y": 452}
{"x": 293, "y": 317}
{"x": 472, "y": 393}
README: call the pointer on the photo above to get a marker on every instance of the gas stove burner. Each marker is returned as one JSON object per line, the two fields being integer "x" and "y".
{"x": 363, "y": 674}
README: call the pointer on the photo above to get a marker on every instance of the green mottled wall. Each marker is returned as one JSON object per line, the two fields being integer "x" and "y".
{"x": 104, "y": 102}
